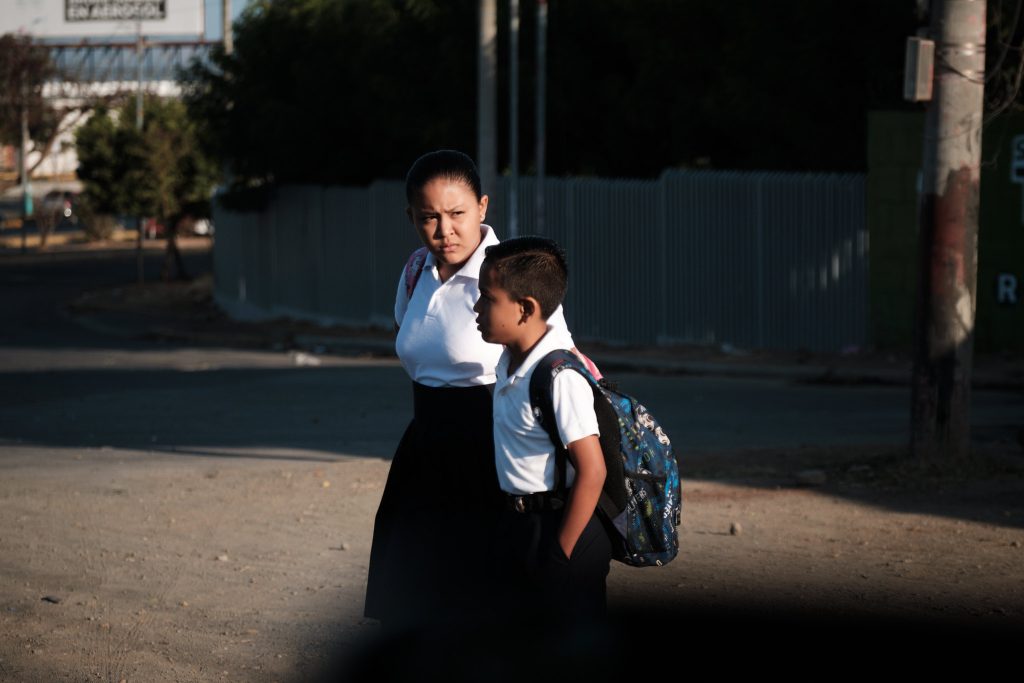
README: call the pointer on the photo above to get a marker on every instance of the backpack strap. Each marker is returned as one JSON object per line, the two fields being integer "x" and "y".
{"x": 591, "y": 365}
{"x": 413, "y": 270}
{"x": 612, "y": 500}
{"x": 543, "y": 407}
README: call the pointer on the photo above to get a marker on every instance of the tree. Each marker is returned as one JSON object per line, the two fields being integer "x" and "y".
{"x": 1004, "y": 58}
{"x": 101, "y": 144}
{"x": 161, "y": 171}
{"x": 24, "y": 67}
{"x": 338, "y": 91}
{"x": 346, "y": 91}
{"x": 23, "y": 111}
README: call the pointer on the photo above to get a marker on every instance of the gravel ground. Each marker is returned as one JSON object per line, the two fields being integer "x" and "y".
{"x": 138, "y": 565}
{"x": 126, "y": 566}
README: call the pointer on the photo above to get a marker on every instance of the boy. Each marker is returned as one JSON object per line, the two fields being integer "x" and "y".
{"x": 551, "y": 551}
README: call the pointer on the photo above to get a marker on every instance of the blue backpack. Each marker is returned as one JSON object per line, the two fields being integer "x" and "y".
{"x": 641, "y": 500}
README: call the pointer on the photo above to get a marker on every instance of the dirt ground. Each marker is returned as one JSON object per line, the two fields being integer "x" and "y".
{"x": 125, "y": 566}
{"x": 121, "y": 566}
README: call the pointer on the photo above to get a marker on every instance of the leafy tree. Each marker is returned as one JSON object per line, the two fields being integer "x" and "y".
{"x": 161, "y": 172}
{"x": 346, "y": 91}
{"x": 637, "y": 87}
{"x": 101, "y": 144}
{"x": 339, "y": 91}
{"x": 24, "y": 67}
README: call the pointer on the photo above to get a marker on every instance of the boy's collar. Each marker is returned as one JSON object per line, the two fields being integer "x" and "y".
{"x": 546, "y": 344}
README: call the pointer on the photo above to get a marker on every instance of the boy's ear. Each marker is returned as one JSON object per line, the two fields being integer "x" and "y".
{"x": 530, "y": 306}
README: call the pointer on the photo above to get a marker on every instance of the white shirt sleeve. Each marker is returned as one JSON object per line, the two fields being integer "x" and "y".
{"x": 401, "y": 300}
{"x": 573, "y": 400}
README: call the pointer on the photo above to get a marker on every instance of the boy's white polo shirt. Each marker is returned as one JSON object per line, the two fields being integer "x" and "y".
{"x": 438, "y": 341}
{"x": 523, "y": 452}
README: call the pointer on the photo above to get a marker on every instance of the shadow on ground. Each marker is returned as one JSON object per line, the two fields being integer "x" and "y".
{"x": 988, "y": 487}
{"x": 690, "y": 641}
{"x": 331, "y": 413}
{"x": 345, "y": 411}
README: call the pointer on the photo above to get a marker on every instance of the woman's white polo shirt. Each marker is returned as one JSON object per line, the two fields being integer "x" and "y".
{"x": 438, "y": 341}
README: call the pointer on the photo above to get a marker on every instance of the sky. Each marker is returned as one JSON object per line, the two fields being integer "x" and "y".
{"x": 214, "y": 26}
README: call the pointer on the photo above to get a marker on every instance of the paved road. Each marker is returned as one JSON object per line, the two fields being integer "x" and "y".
{"x": 64, "y": 386}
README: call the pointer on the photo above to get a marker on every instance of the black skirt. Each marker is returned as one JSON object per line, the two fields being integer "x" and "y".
{"x": 438, "y": 511}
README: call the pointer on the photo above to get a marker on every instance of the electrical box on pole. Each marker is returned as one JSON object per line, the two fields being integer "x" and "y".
{"x": 918, "y": 69}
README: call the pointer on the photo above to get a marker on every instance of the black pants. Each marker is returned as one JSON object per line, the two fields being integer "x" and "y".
{"x": 533, "y": 575}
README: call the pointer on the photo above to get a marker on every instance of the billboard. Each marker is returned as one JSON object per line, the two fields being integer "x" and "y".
{"x": 102, "y": 18}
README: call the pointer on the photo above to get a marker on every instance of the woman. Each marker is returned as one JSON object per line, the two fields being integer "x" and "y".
{"x": 441, "y": 498}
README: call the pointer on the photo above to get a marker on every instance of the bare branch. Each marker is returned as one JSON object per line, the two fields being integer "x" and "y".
{"x": 69, "y": 118}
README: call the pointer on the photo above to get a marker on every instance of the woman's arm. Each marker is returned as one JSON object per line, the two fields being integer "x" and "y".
{"x": 588, "y": 460}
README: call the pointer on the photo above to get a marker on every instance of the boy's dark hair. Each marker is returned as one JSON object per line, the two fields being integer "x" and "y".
{"x": 531, "y": 266}
{"x": 443, "y": 163}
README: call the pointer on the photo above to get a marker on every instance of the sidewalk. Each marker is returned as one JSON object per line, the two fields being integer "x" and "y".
{"x": 186, "y": 312}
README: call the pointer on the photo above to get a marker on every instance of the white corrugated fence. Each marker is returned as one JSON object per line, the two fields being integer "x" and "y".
{"x": 755, "y": 260}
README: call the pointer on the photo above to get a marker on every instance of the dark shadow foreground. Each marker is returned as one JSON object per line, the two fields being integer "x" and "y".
{"x": 648, "y": 643}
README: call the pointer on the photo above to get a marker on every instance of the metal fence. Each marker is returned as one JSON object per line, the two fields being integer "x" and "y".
{"x": 756, "y": 260}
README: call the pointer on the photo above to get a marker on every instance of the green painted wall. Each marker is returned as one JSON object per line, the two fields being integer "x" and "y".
{"x": 894, "y": 158}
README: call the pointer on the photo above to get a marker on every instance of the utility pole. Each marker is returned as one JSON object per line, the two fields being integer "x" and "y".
{"x": 541, "y": 141}
{"x": 225, "y": 12}
{"x": 948, "y": 257}
{"x": 23, "y": 170}
{"x": 139, "y": 55}
{"x": 513, "y": 119}
{"x": 140, "y": 258}
{"x": 486, "y": 74}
